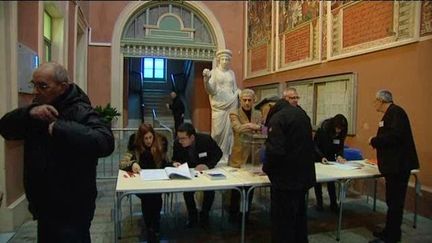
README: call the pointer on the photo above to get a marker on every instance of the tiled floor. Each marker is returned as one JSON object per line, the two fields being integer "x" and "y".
{"x": 358, "y": 222}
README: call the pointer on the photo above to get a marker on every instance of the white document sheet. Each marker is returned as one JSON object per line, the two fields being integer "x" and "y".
{"x": 349, "y": 165}
{"x": 153, "y": 174}
{"x": 181, "y": 172}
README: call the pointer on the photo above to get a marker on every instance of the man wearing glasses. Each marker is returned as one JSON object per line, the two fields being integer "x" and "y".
{"x": 63, "y": 139}
{"x": 201, "y": 152}
{"x": 397, "y": 156}
{"x": 291, "y": 95}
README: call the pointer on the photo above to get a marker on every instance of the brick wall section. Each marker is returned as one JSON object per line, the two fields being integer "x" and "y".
{"x": 367, "y": 21}
{"x": 297, "y": 44}
{"x": 259, "y": 58}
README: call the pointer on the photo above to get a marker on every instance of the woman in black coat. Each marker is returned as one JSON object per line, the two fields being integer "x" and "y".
{"x": 329, "y": 142}
{"x": 147, "y": 151}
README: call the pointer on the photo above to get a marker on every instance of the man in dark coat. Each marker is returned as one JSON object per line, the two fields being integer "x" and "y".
{"x": 289, "y": 96}
{"x": 291, "y": 170}
{"x": 63, "y": 139}
{"x": 201, "y": 152}
{"x": 397, "y": 156}
{"x": 178, "y": 110}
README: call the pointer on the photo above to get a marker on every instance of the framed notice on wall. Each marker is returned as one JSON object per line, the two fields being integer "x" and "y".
{"x": 28, "y": 61}
{"x": 324, "y": 97}
{"x": 258, "y": 39}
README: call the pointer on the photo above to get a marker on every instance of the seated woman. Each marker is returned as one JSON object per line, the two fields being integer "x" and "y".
{"x": 329, "y": 142}
{"x": 147, "y": 150}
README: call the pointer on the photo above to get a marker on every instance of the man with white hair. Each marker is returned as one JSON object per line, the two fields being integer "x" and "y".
{"x": 397, "y": 156}
{"x": 243, "y": 120}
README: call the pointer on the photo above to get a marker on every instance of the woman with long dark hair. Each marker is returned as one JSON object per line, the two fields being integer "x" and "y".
{"x": 147, "y": 151}
{"x": 329, "y": 142}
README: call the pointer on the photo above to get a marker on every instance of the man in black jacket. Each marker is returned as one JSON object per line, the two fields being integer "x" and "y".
{"x": 397, "y": 156}
{"x": 178, "y": 110}
{"x": 63, "y": 138}
{"x": 201, "y": 152}
{"x": 291, "y": 170}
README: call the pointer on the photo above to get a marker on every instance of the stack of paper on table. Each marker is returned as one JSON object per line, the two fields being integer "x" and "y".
{"x": 349, "y": 165}
{"x": 215, "y": 174}
{"x": 181, "y": 172}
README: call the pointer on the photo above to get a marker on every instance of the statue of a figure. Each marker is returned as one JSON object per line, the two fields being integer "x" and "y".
{"x": 221, "y": 86}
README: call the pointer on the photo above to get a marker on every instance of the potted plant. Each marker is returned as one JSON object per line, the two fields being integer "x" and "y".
{"x": 108, "y": 113}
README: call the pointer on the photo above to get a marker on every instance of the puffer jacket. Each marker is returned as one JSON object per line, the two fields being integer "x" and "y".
{"x": 60, "y": 169}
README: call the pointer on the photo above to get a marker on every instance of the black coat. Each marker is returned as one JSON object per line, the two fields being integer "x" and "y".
{"x": 289, "y": 150}
{"x": 177, "y": 108}
{"x": 205, "y": 151}
{"x": 394, "y": 143}
{"x": 327, "y": 143}
{"x": 60, "y": 170}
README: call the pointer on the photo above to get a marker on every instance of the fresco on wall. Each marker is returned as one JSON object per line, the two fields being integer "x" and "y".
{"x": 298, "y": 28}
{"x": 337, "y": 4}
{"x": 259, "y": 23}
{"x": 363, "y": 26}
{"x": 354, "y": 27}
{"x": 426, "y": 18}
{"x": 324, "y": 31}
{"x": 259, "y": 31}
{"x": 294, "y": 13}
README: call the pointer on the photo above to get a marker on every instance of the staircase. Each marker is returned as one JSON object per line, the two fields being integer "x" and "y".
{"x": 157, "y": 99}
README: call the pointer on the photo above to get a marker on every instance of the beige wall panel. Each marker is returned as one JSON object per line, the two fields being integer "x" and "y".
{"x": 230, "y": 15}
{"x": 99, "y": 75}
{"x": 102, "y": 17}
{"x": 200, "y": 104}
{"x": 14, "y": 167}
{"x": 71, "y": 41}
{"x": 405, "y": 71}
{"x": 27, "y": 23}
{"x": 85, "y": 8}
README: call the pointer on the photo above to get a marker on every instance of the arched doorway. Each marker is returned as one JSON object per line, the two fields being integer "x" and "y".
{"x": 120, "y": 48}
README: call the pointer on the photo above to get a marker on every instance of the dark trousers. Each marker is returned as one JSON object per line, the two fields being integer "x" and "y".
{"x": 191, "y": 205}
{"x": 396, "y": 187}
{"x": 151, "y": 205}
{"x": 178, "y": 120}
{"x": 288, "y": 216}
{"x": 331, "y": 188}
{"x": 61, "y": 231}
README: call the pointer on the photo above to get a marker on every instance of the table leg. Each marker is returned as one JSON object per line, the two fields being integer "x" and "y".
{"x": 243, "y": 207}
{"x": 116, "y": 218}
{"x": 118, "y": 214}
{"x": 343, "y": 185}
{"x": 417, "y": 193}
{"x": 375, "y": 194}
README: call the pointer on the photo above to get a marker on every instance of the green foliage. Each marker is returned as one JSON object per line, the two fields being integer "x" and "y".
{"x": 108, "y": 113}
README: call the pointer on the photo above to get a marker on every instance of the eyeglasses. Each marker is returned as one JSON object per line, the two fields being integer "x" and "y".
{"x": 294, "y": 97}
{"x": 40, "y": 86}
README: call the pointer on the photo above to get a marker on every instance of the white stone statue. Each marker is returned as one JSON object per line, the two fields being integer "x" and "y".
{"x": 221, "y": 86}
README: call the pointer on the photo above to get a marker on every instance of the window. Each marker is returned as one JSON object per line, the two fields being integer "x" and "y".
{"x": 154, "y": 69}
{"x": 47, "y": 34}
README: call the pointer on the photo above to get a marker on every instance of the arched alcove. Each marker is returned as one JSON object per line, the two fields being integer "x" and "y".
{"x": 119, "y": 45}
